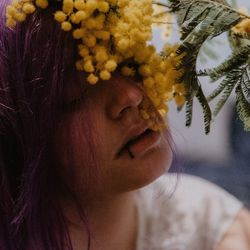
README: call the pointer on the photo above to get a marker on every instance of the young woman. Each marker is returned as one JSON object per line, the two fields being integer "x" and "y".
{"x": 73, "y": 157}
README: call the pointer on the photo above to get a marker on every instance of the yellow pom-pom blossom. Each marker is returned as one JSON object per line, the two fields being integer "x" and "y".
{"x": 92, "y": 79}
{"x": 79, "y": 4}
{"x": 20, "y": 17}
{"x": 11, "y": 10}
{"x": 111, "y": 32}
{"x": 66, "y": 26}
{"x": 42, "y": 3}
{"x": 103, "y": 6}
{"x": 28, "y": 8}
{"x": 88, "y": 66}
{"x": 83, "y": 50}
{"x": 111, "y": 65}
{"x": 60, "y": 16}
{"x": 68, "y": 6}
{"x": 105, "y": 75}
{"x": 242, "y": 27}
{"x": 78, "y": 33}
{"x": 128, "y": 71}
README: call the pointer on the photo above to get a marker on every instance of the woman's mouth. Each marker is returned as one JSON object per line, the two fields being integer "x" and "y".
{"x": 141, "y": 144}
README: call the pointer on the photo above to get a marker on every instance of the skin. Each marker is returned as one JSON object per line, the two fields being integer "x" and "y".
{"x": 238, "y": 235}
{"x": 113, "y": 109}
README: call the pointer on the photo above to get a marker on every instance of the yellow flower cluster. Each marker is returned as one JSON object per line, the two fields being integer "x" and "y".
{"x": 132, "y": 27}
{"x": 174, "y": 73}
{"x": 18, "y": 10}
{"x": 111, "y": 32}
{"x": 243, "y": 27}
{"x": 161, "y": 79}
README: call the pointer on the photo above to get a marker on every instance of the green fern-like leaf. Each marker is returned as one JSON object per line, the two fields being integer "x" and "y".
{"x": 217, "y": 91}
{"x": 243, "y": 108}
{"x": 238, "y": 58}
{"x": 246, "y": 82}
{"x": 206, "y": 110}
{"x": 242, "y": 35}
{"x": 229, "y": 82}
{"x": 238, "y": 40}
{"x": 191, "y": 14}
{"x": 189, "y": 112}
{"x": 199, "y": 20}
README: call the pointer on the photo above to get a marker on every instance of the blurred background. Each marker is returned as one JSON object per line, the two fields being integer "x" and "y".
{"x": 223, "y": 155}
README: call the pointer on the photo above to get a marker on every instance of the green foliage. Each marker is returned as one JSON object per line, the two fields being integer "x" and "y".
{"x": 243, "y": 107}
{"x": 236, "y": 74}
{"x": 229, "y": 83}
{"x": 239, "y": 57}
{"x": 206, "y": 110}
{"x": 202, "y": 20}
{"x": 238, "y": 40}
{"x": 189, "y": 112}
{"x": 199, "y": 21}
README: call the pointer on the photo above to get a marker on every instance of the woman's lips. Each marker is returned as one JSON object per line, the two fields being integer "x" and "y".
{"x": 145, "y": 142}
{"x": 141, "y": 144}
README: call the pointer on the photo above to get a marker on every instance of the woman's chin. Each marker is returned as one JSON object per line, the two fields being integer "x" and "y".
{"x": 137, "y": 172}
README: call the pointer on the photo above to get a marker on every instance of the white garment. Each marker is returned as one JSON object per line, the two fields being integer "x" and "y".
{"x": 185, "y": 213}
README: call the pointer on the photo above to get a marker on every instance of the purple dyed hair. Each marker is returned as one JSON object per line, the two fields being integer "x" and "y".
{"x": 32, "y": 66}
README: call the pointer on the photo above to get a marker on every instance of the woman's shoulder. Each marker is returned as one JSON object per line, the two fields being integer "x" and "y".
{"x": 238, "y": 235}
{"x": 188, "y": 211}
{"x": 186, "y": 191}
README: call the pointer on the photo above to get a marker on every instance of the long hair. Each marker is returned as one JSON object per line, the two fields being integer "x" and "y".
{"x": 33, "y": 59}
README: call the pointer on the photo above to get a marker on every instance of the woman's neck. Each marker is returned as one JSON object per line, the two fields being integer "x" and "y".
{"x": 113, "y": 224}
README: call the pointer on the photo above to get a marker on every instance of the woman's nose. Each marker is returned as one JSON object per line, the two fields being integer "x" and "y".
{"x": 126, "y": 95}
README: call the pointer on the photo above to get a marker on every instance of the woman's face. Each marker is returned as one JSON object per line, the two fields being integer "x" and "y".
{"x": 127, "y": 154}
